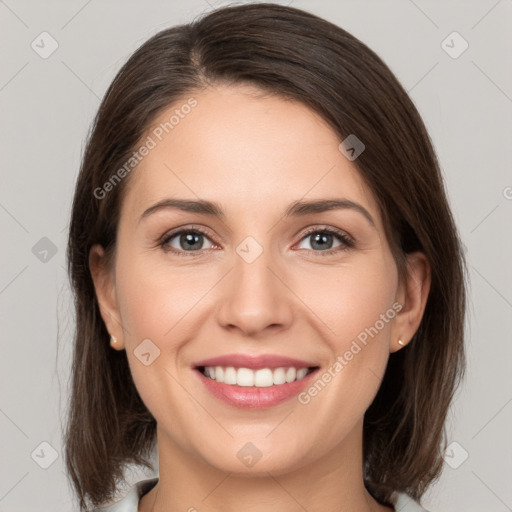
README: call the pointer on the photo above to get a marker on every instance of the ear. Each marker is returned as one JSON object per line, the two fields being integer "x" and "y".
{"x": 104, "y": 285}
{"x": 412, "y": 296}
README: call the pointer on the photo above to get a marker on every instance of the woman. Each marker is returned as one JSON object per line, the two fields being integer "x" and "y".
{"x": 260, "y": 229}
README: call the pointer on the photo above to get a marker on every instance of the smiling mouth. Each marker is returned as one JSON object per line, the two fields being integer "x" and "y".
{"x": 259, "y": 378}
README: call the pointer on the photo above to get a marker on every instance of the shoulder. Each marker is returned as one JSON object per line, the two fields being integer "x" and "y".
{"x": 130, "y": 502}
{"x": 404, "y": 503}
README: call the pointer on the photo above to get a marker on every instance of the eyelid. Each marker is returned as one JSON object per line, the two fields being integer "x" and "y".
{"x": 329, "y": 229}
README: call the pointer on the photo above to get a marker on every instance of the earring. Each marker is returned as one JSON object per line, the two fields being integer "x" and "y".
{"x": 113, "y": 340}
{"x": 400, "y": 342}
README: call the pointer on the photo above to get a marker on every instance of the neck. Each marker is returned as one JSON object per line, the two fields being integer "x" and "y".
{"x": 333, "y": 482}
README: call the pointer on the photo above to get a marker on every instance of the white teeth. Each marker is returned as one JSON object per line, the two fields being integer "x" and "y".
{"x": 230, "y": 375}
{"x": 291, "y": 374}
{"x": 279, "y": 377}
{"x": 261, "y": 378}
{"x": 244, "y": 377}
{"x": 301, "y": 373}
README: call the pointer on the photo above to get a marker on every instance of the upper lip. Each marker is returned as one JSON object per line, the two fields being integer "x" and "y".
{"x": 254, "y": 362}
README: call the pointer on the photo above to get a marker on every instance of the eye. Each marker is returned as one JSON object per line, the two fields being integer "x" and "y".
{"x": 186, "y": 240}
{"x": 323, "y": 240}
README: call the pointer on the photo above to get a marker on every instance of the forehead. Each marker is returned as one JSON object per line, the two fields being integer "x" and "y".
{"x": 246, "y": 150}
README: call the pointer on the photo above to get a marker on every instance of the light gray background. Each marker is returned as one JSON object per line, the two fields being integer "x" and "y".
{"x": 46, "y": 109}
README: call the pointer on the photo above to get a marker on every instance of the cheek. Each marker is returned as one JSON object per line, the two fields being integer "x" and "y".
{"x": 350, "y": 298}
{"x": 153, "y": 300}
{"x": 357, "y": 307}
{"x": 158, "y": 308}
{"x": 153, "y": 305}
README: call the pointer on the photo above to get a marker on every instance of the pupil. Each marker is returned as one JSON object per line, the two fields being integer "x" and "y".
{"x": 190, "y": 239}
{"x": 322, "y": 240}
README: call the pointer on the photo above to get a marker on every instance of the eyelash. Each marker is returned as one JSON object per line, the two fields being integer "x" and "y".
{"x": 346, "y": 240}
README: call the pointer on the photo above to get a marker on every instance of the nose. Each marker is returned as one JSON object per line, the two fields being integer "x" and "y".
{"x": 255, "y": 298}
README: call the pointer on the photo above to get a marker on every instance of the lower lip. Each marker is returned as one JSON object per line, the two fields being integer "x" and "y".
{"x": 253, "y": 397}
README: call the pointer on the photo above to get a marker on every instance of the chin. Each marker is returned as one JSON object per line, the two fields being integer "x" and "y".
{"x": 245, "y": 458}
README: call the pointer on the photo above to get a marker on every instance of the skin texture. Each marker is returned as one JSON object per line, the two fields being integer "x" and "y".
{"x": 255, "y": 155}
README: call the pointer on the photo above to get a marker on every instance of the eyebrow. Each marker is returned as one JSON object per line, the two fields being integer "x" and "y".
{"x": 296, "y": 209}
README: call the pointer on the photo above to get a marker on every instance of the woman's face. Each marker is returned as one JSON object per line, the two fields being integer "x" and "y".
{"x": 260, "y": 280}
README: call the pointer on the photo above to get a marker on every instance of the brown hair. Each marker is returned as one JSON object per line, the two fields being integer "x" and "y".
{"x": 293, "y": 54}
